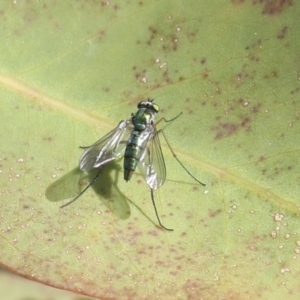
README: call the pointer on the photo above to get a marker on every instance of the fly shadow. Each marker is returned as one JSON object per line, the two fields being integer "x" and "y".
{"x": 105, "y": 187}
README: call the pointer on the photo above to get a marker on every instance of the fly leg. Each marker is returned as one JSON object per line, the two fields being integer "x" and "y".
{"x": 88, "y": 186}
{"x": 153, "y": 202}
{"x": 175, "y": 156}
{"x": 172, "y": 151}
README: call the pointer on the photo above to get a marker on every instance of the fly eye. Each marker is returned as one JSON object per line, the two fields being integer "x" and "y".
{"x": 142, "y": 105}
{"x": 155, "y": 107}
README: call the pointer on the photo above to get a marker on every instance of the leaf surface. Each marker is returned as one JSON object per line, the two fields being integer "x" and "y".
{"x": 70, "y": 71}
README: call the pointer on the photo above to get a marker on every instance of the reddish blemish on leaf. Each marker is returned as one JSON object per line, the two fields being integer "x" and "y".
{"x": 270, "y": 7}
{"x": 283, "y": 32}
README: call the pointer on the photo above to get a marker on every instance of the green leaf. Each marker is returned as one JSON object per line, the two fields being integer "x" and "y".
{"x": 70, "y": 71}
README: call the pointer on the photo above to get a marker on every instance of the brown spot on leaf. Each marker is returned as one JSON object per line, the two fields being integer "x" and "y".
{"x": 245, "y": 122}
{"x": 214, "y": 213}
{"x": 224, "y": 130}
{"x": 296, "y": 90}
{"x": 48, "y": 139}
{"x": 101, "y": 34}
{"x": 255, "y": 109}
{"x": 243, "y": 76}
{"x": 270, "y": 7}
{"x": 228, "y": 129}
{"x": 274, "y": 7}
{"x": 283, "y": 32}
{"x": 255, "y": 45}
{"x": 272, "y": 74}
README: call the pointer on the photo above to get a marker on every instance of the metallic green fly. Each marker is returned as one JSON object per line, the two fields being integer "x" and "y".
{"x": 138, "y": 141}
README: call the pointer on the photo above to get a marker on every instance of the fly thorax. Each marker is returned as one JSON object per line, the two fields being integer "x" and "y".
{"x": 143, "y": 119}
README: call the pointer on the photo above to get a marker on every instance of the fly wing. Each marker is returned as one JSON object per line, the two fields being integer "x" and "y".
{"x": 152, "y": 165}
{"x": 108, "y": 148}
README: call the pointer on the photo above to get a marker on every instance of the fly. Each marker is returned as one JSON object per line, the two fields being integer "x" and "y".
{"x": 137, "y": 140}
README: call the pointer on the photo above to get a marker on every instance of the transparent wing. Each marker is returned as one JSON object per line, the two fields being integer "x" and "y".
{"x": 109, "y": 147}
{"x": 152, "y": 165}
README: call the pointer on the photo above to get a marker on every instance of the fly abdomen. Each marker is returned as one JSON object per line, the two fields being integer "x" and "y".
{"x": 133, "y": 153}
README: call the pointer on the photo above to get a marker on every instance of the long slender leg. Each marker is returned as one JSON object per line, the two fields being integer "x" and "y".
{"x": 175, "y": 156}
{"x": 88, "y": 186}
{"x": 168, "y": 121}
{"x": 153, "y": 202}
{"x": 172, "y": 151}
